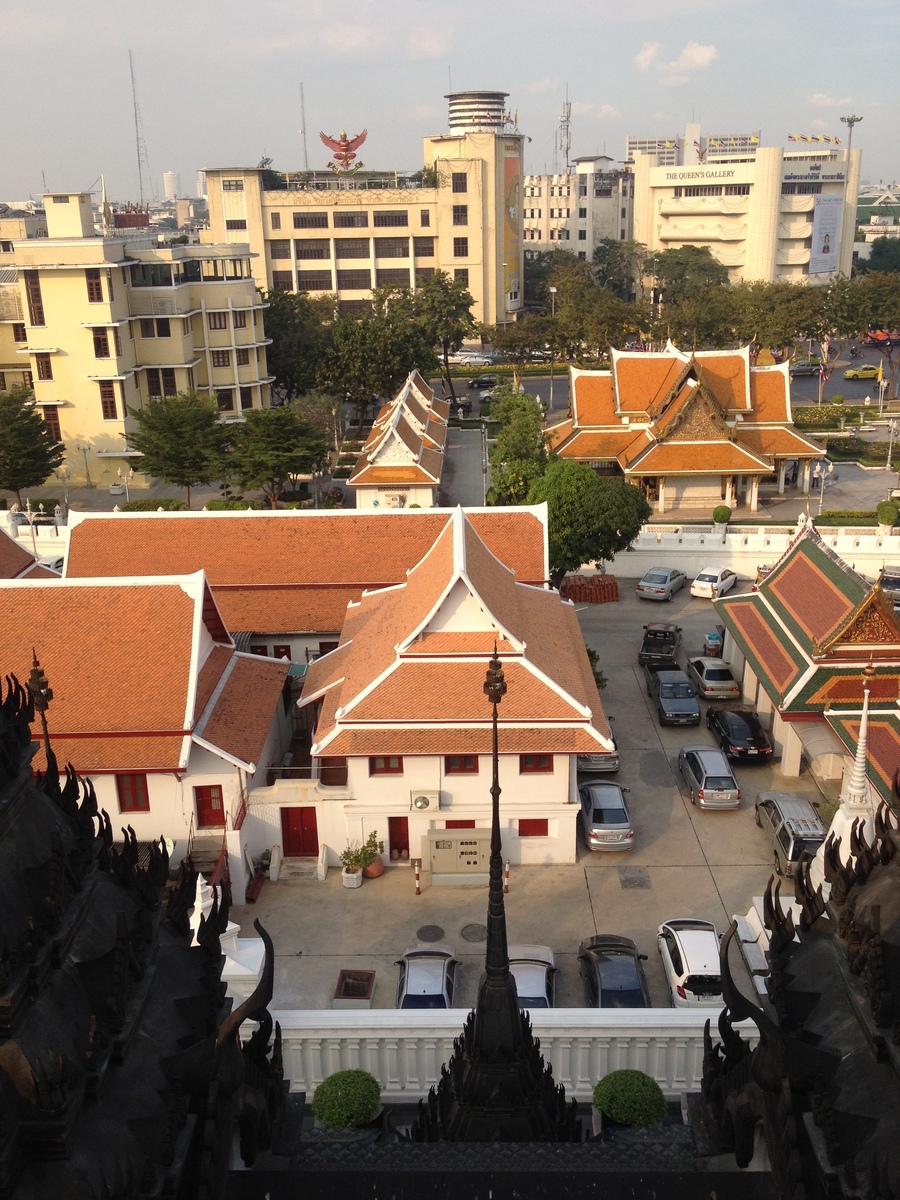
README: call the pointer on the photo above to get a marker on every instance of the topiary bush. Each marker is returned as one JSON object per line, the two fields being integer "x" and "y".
{"x": 630, "y": 1097}
{"x": 231, "y": 505}
{"x": 148, "y": 505}
{"x": 721, "y": 514}
{"x": 887, "y": 513}
{"x": 346, "y": 1099}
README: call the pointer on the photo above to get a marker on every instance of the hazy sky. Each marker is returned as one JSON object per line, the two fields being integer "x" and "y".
{"x": 218, "y": 82}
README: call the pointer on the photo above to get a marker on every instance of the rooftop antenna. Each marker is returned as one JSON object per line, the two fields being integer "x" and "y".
{"x": 563, "y": 137}
{"x": 141, "y": 146}
{"x": 303, "y": 129}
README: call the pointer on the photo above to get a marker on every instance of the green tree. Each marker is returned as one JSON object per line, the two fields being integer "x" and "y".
{"x": 604, "y": 321}
{"x": 271, "y": 445}
{"x": 443, "y": 307}
{"x": 591, "y": 518}
{"x": 540, "y": 269}
{"x": 181, "y": 438}
{"x": 685, "y": 272}
{"x": 29, "y": 454}
{"x": 323, "y": 412}
{"x": 519, "y": 455}
{"x": 518, "y": 341}
{"x": 884, "y": 256}
{"x": 619, "y": 267}
{"x": 706, "y": 322}
{"x": 879, "y": 295}
{"x": 300, "y": 329}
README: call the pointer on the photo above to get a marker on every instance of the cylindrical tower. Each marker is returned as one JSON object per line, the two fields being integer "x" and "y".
{"x": 474, "y": 111}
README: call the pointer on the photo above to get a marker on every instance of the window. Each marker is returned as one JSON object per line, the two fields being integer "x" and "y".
{"x": 351, "y": 220}
{"x": 60, "y": 199}
{"x": 460, "y": 214}
{"x": 108, "y": 400}
{"x": 154, "y": 387}
{"x": 461, "y": 247}
{"x": 276, "y": 220}
{"x": 280, "y": 249}
{"x": 51, "y": 420}
{"x": 44, "y": 366}
{"x": 354, "y": 280}
{"x": 2, "y": 381}
{"x": 19, "y": 334}
{"x": 33, "y": 296}
{"x": 582, "y": 214}
{"x": 581, "y": 254}
{"x": 701, "y": 190}
{"x": 225, "y": 400}
{"x": 533, "y": 827}
{"x": 737, "y": 189}
{"x": 459, "y": 824}
{"x": 461, "y": 764}
{"x": 314, "y": 248}
{"x": 314, "y": 281}
{"x": 27, "y": 379}
{"x": 6, "y": 247}
{"x": 423, "y": 247}
{"x": 235, "y": 224}
{"x": 221, "y": 358}
{"x": 101, "y": 343}
{"x": 281, "y": 651}
{"x": 352, "y": 247}
{"x": 240, "y": 319}
{"x": 425, "y": 218}
{"x": 217, "y": 320}
{"x": 151, "y": 275}
{"x": 383, "y": 219}
{"x": 232, "y": 185}
{"x": 163, "y": 328}
{"x": 424, "y": 273}
{"x": 459, "y": 182}
{"x": 94, "y": 286}
{"x": 582, "y": 235}
{"x": 246, "y": 397}
{"x": 117, "y": 339}
{"x": 242, "y": 357}
{"x": 310, "y": 220}
{"x": 601, "y": 193}
{"x": 109, "y": 286}
{"x": 387, "y": 765}
{"x": 391, "y": 277}
{"x": 462, "y": 274}
{"x": 535, "y": 764}
{"x": 787, "y": 189}
{"x": 148, "y": 328}
{"x": 354, "y": 308}
{"x": 262, "y": 650}
{"x": 132, "y": 790}
{"x": 283, "y": 281}
{"x": 392, "y": 247}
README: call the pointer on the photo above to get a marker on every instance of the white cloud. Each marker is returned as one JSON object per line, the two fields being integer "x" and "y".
{"x": 647, "y": 55}
{"x": 540, "y": 86}
{"x": 820, "y": 100}
{"x": 693, "y": 57}
{"x": 608, "y": 110}
{"x": 421, "y": 112}
{"x": 580, "y": 109}
{"x": 350, "y": 39}
{"x": 431, "y": 43}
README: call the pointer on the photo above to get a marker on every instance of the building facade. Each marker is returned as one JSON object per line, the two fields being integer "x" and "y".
{"x": 577, "y": 210}
{"x": 344, "y": 234}
{"x": 105, "y": 324}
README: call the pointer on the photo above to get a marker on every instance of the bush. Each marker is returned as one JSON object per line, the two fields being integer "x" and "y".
{"x": 887, "y": 512}
{"x": 346, "y": 1099}
{"x": 629, "y": 1097}
{"x": 851, "y": 514}
{"x": 231, "y": 505}
{"x": 721, "y": 514}
{"x": 837, "y": 399}
{"x": 148, "y": 505}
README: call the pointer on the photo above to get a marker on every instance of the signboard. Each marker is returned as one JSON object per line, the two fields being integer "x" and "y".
{"x": 826, "y": 236}
{"x": 512, "y": 181}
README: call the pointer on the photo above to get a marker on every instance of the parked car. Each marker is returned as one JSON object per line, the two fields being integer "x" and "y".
{"x": 605, "y": 816}
{"x": 865, "y": 371}
{"x": 540, "y": 356}
{"x": 689, "y": 950}
{"x": 483, "y": 381}
{"x": 713, "y": 582}
{"x": 660, "y": 644}
{"x": 611, "y": 972}
{"x": 607, "y": 762}
{"x": 712, "y": 678}
{"x": 427, "y": 977}
{"x": 804, "y": 366}
{"x": 676, "y": 701}
{"x": 739, "y": 733}
{"x": 535, "y": 972}
{"x": 660, "y": 583}
{"x": 794, "y": 826}
{"x": 890, "y": 583}
{"x": 709, "y": 778}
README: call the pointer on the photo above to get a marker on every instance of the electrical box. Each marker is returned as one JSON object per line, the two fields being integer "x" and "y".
{"x": 394, "y": 501}
{"x": 459, "y": 855}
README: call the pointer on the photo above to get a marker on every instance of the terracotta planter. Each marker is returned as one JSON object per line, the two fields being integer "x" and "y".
{"x": 374, "y": 869}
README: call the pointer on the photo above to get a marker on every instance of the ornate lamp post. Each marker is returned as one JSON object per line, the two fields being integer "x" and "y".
{"x": 41, "y": 694}
{"x": 126, "y": 478}
{"x": 63, "y": 476}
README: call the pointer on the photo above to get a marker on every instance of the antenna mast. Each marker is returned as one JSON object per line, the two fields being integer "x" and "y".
{"x": 563, "y": 138}
{"x": 141, "y": 146}
{"x": 303, "y": 129}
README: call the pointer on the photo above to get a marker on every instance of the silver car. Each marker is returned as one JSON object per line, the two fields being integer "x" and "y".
{"x": 427, "y": 977}
{"x": 535, "y": 971}
{"x": 660, "y": 583}
{"x": 689, "y": 951}
{"x": 713, "y": 679}
{"x": 709, "y": 777}
{"x": 605, "y": 816}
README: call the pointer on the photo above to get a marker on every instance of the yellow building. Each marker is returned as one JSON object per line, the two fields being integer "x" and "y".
{"x": 324, "y": 232}
{"x": 110, "y": 323}
{"x": 15, "y": 225}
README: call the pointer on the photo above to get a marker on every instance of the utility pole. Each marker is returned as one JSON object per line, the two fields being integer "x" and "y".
{"x": 850, "y": 122}
{"x": 303, "y": 128}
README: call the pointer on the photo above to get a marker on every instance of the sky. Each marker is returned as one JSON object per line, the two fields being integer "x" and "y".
{"x": 218, "y": 81}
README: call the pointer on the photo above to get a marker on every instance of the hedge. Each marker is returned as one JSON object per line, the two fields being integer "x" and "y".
{"x": 231, "y": 505}
{"x": 631, "y": 1098}
{"x": 148, "y": 505}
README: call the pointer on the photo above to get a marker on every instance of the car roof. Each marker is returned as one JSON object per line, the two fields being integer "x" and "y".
{"x": 700, "y": 951}
{"x": 532, "y": 953}
{"x": 603, "y": 791}
{"x": 667, "y": 626}
{"x": 707, "y": 753}
{"x": 791, "y": 806}
{"x": 710, "y": 662}
{"x": 711, "y": 570}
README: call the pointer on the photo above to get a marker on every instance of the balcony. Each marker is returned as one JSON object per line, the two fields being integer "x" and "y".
{"x": 794, "y": 204}
{"x": 692, "y": 206}
{"x": 703, "y": 231}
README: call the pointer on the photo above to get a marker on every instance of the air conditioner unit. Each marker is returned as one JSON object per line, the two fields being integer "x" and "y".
{"x": 394, "y": 501}
{"x": 421, "y": 801}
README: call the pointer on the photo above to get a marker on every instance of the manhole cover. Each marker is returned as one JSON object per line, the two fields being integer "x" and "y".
{"x": 430, "y": 933}
{"x": 634, "y": 877}
{"x": 474, "y": 933}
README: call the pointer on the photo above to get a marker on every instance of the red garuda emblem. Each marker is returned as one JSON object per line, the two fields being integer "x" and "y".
{"x": 344, "y": 149}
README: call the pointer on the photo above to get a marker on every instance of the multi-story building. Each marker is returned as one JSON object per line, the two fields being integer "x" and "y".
{"x": 672, "y": 150}
{"x": 332, "y": 232}
{"x": 106, "y": 324}
{"x": 15, "y": 225}
{"x": 764, "y": 212}
{"x": 577, "y": 210}
{"x": 171, "y": 185}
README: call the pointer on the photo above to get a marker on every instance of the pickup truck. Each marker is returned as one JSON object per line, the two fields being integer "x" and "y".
{"x": 660, "y": 645}
{"x": 673, "y": 693}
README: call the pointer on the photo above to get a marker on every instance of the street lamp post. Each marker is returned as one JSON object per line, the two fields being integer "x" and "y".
{"x": 126, "y": 478}
{"x": 31, "y": 516}
{"x": 63, "y": 476}
{"x": 824, "y": 475}
{"x": 892, "y": 427}
{"x": 882, "y": 388}
{"x": 850, "y": 122}
{"x": 552, "y": 291}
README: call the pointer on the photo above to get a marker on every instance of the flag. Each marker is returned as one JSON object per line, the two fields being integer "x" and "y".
{"x": 754, "y": 140}
{"x": 880, "y": 375}
{"x": 697, "y": 146}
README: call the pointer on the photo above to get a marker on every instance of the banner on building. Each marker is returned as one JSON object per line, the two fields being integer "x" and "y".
{"x": 826, "y": 237}
{"x": 512, "y": 178}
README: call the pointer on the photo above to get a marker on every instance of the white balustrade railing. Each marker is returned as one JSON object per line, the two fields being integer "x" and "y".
{"x": 405, "y": 1050}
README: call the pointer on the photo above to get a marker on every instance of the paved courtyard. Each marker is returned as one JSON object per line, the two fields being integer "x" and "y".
{"x": 685, "y": 862}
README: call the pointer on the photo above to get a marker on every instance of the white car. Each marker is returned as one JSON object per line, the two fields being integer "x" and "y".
{"x": 713, "y": 582}
{"x": 535, "y": 971}
{"x": 427, "y": 977}
{"x": 689, "y": 951}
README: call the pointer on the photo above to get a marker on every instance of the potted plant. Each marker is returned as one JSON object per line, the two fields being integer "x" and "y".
{"x": 721, "y": 516}
{"x": 886, "y": 513}
{"x": 629, "y": 1098}
{"x": 346, "y": 1100}
{"x": 362, "y": 860}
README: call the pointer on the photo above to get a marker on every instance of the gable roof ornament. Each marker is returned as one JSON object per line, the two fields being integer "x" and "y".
{"x": 871, "y": 623}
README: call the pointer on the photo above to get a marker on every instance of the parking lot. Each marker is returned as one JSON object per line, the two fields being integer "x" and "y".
{"x": 685, "y": 862}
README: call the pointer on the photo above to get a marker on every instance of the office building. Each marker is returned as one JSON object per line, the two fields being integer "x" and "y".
{"x": 590, "y": 202}
{"x": 171, "y": 185}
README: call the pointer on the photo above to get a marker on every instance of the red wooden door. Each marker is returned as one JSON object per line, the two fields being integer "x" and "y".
{"x": 299, "y": 833}
{"x": 398, "y": 834}
{"x": 210, "y": 807}
{"x": 459, "y": 824}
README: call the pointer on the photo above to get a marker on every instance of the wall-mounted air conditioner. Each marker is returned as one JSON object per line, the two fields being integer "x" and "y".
{"x": 422, "y": 801}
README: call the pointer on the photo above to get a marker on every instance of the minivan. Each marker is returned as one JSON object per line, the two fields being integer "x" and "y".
{"x": 794, "y": 826}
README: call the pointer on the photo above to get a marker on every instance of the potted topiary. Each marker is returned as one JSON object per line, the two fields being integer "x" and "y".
{"x": 721, "y": 516}
{"x": 886, "y": 513}
{"x": 359, "y": 861}
{"x": 629, "y": 1098}
{"x": 346, "y": 1100}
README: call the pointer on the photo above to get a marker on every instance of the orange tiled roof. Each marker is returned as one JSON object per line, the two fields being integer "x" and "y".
{"x": 285, "y": 609}
{"x": 210, "y": 674}
{"x": 780, "y": 443}
{"x": 97, "y": 755}
{"x": 753, "y": 624}
{"x": 547, "y": 739}
{"x": 593, "y": 401}
{"x": 38, "y": 572}
{"x": 697, "y": 458}
{"x": 770, "y": 394}
{"x": 813, "y": 600}
{"x": 726, "y": 376}
{"x": 641, "y": 380}
{"x": 14, "y": 559}
{"x": 588, "y": 445}
{"x": 557, "y": 434}
{"x": 242, "y": 716}
{"x": 408, "y": 473}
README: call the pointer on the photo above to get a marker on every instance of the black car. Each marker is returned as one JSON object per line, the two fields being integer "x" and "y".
{"x": 660, "y": 644}
{"x": 483, "y": 381}
{"x": 739, "y": 733}
{"x": 611, "y": 972}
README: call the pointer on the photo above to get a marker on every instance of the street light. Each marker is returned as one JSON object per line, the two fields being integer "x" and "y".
{"x": 824, "y": 477}
{"x": 882, "y": 388}
{"x": 63, "y": 476}
{"x": 552, "y": 291}
{"x": 31, "y": 516}
{"x": 126, "y": 478}
{"x": 892, "y": 426}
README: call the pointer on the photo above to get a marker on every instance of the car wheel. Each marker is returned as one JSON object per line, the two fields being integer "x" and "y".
{"x": 758, "y": 821}
{"x": 693, "y": 797}
{"x": 778, "y": 870}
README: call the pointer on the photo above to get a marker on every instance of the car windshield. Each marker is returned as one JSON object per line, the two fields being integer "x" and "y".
{"x": 533, "y": 1002}
{"x": 619, "y": 983}
{"x": 707, "y": 578}
{"x": 676, "y": 691}
{"x": 719, "y": 675}
{"x": 654, "y": 577}
{"x": 718, "y": 783}
{"x": 807, "y": 845}
{"x": 610, "y": 816}
{"x": 423, "y": 1001}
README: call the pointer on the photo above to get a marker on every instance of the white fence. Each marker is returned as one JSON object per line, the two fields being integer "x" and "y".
{"x": 405, "y": 1050}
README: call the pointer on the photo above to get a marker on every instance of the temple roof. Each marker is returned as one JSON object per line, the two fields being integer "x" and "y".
{"x": 406, "y": 442}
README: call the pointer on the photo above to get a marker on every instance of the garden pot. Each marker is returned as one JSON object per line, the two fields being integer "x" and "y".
{"x": 351, "y": 879}
{"x": 374, "y": 869}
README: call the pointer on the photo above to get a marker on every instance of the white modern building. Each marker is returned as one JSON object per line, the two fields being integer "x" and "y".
{"x": 171, "y": 185}
{"x": 576, "y": 210}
